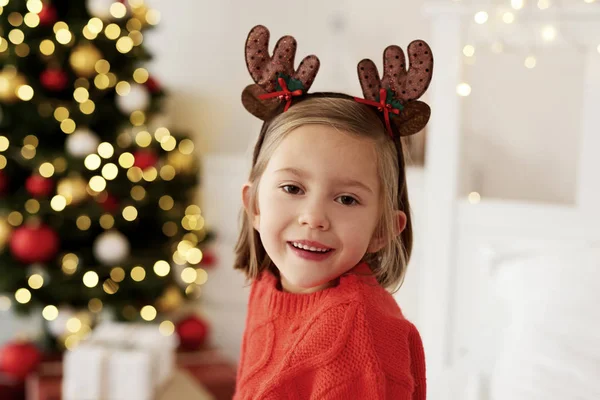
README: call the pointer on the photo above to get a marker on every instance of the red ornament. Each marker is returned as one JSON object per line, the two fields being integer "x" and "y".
{"x": 208, "y": 259}
{"x": 152, "y": 85}
{"x": 109, "y": 203}
{"x": 192, "y": 332}
{"x": 11, "y": 388}
{"x": 19, "y": 359}
{"x": 38, "y": 186}
{"x": 30, "y": 244}
{"x": 47, "y": 15}
{"x": 54, "y": 79}
{"x": 144, "y": 158}
{"x": 3, "y": 182}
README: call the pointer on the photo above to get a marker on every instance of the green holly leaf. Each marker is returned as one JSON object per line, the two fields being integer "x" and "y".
{"x": 391, "y": 99}
{"x": 292, "y": 84}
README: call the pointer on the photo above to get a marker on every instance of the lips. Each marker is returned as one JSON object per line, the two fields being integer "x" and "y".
{"x": 310, "y": 245}
{"x": 310, "y": 250}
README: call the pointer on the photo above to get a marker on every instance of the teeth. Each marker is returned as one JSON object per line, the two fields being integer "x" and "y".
{"x": 309, "y": 248}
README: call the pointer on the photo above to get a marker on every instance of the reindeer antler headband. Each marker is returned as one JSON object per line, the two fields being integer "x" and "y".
{"x": 395, "y": 95}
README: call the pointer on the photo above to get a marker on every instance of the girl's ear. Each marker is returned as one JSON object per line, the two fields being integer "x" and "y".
{"x": 253, "y": 214}
{"x": 377, "y": 242}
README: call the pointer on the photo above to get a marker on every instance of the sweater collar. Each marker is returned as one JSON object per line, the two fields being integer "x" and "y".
{"x": 278, "y": 302}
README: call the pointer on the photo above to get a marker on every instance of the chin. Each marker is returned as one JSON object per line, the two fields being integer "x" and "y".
{"x": 306, "y": 283}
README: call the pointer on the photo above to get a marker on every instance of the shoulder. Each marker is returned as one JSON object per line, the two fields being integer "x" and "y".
{"x": 394, "y": 341}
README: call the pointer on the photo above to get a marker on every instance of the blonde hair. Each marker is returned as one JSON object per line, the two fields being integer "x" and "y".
{"x": 343, "y": 113}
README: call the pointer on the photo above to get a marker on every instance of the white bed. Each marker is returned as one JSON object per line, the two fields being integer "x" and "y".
{"x": 507, "y": 288}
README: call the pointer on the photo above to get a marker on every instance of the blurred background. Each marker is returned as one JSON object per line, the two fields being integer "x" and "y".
{"x": 124, "y": 144}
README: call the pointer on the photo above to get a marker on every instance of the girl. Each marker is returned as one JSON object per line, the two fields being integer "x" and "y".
{"x": 327, "y": 229}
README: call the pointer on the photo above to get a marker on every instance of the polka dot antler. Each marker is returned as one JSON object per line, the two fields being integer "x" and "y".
{"x": 275, "y": 77}
{"x": 396, "y": 94}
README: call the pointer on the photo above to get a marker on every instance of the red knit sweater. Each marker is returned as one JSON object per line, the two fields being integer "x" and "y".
{"x": 350, "y": 341}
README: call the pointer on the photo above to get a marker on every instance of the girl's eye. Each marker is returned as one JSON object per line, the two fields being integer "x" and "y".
{"x": 347, "y": 200}
{"x": 291, "y": 189}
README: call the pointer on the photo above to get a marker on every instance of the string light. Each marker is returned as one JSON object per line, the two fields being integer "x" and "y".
{"x": 148, "y": 313}
{"x": 138, "y": 273}
{"x": 517, "y": 4}
{"x": 118, "y": 10}
{"x": 35, "y": 281}
{"x": 549, "y": 33}
{"x": 153, "y": 17}
{"x": 468, "y": 51}
{"x": 58, "y": 203}
{"x": 508, "y": 17}
{"x": 70, "y": 262}
{"x": 130, "y": 213}
{"x": 117, "y": 274}
{"x": 543, "y": 4}
{"x": 73, "y": 324}
{"x": 23, "y": 296}
{"x": 202, "y": 276}
{"x": 126, "y": 160}
{"x": 166, "y": 328}
{"x": 97, "y": 183}
{"x": 28, "y": 152}
{"x": 50, "y": 313}
{"x": 189, "y": 275}
{"x": 162, "y": 268}
{"x": 463, "y": 89}
{"x": 124, "y": 44}
{"x": 92, "y": 162}
{"x": 110, "y": 171}
{"x": 25, "y": 92}
{"x": 530, "y": 62}
{"x": 107, "y": 221}
{"x": 143, "y": 139}
{"x": 106, "y": 150}
{"x": 4, "y": 143}
{"x": 481, "y": 17}
{"x": 474, "y": 198}
{"x": 16, "y": 36}
{"x": 90, "y": 279}
{"x": 95, "y": 305}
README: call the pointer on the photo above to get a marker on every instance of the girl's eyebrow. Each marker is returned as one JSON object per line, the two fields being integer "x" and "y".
{"x": 343, "y": 182}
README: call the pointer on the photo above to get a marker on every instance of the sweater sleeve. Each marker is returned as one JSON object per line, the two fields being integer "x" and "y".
{"x": 369, "y": 387}
{"x": 417, "y": 364}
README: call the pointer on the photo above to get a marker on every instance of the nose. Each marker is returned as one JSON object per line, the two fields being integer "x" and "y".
{"x": 315, "y": 217}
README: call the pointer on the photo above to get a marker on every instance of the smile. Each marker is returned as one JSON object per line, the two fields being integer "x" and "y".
{"x": 316, "y": 252}
{"x": 302, "y": 246}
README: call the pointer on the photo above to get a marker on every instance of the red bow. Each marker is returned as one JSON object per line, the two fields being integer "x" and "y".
{"x": 284, "y": 94}
{"x": 383, "y": 107}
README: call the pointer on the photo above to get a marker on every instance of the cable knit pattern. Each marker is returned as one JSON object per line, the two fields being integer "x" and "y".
{"x": 350, "y": 341}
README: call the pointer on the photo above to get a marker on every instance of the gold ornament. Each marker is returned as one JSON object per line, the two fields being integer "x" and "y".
{"x": 140, "y": 12}
{"x": 170, "y": 300}
{"x": 5, "y": 231}
{"x": 183, "y": 163}
{"x": 83, "y": 60}
{"x": 10, "y": 81}
{"x": 72, "y": 188}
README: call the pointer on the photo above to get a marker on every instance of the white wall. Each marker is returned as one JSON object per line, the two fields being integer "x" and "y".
{"x": 521, "y": 126}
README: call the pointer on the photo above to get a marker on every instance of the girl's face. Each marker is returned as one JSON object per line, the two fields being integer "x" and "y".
{"x": 318, "y": 206}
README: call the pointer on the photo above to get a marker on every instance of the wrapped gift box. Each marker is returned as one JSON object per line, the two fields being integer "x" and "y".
{"x": 204, "y": 371}
{"x": 119, "y": 361}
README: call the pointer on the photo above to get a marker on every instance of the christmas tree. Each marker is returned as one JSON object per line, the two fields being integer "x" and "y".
{"x": 96, "y": 196}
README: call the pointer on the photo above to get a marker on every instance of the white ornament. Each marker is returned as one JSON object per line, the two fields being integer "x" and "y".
{"x": 82, "y": 142}
{"x": 138, "y": 99}
{"x": 111, "y": 247}
{"x": 58, "y": 326}
{"x": 99, "y": 8}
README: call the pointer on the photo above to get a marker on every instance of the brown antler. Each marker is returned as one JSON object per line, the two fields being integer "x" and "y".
{"x": 262, "y": 99}
{"x": 406, "y": 86}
